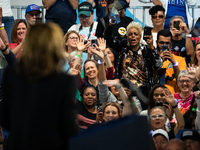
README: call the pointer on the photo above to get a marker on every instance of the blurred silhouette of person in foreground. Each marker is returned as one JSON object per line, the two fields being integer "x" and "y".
{"x": 38, "y": 106}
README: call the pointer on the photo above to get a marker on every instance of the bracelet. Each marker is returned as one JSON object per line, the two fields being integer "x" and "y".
{"x": 194, "y": 109}
{"x": 2, "y": 25}
{"x": 110, "y": 21}
{"x": 173, "y": 120}
{"x": 133, "y": 103}
{"x": 4, "y": 49}
{"x": 1, "y": 28}
{"x": 174, "y": 106}
{"x": 118, "y": 86}
{"x": 176, "y": 64}
{"x": 78, "y": 55}
{"x": 100, "y": 62}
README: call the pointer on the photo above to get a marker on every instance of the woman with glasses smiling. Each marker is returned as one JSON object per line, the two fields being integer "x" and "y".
{"x": 158, "y": 116}
{"x": 72, "y": 41}
{"x": 186, "y": 94}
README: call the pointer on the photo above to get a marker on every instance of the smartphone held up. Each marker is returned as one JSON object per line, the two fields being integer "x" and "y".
{"x": 147, "y": 32}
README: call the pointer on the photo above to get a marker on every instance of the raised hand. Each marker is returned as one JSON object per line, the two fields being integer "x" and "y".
{"x": 192, "y": 73}
{"x": 169, "y": 97}
{"x": 157, "y": 2}
{"x": 75, "y": 70}
{"x": 80, "y": 45}
{"x": 98, "y": 52}
{"x": 168, "y": 110}
{"x": 149, "y": 42}
{"x": 99, "y": 116}
{"x": 197, "y": 94}
{"x": 102, "y": 44}
{"x": 2, "y": 45}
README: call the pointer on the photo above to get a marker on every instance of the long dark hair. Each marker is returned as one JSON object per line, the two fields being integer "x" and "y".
{"x": 194, "y": 57}
{"x": 151, "y": 100}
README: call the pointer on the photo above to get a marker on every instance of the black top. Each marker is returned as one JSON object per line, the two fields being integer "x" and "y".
{"x": 179, "y": 49}
{"x": 39, "y": 114}
{"x": 116, "y": 35}
{"x": 62, "y": 13}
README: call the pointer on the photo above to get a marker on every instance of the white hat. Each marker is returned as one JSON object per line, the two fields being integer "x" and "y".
{"x": 162, "y": 132}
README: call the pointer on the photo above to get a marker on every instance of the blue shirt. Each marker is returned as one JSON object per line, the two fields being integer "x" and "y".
{"x": 175, "y": 8}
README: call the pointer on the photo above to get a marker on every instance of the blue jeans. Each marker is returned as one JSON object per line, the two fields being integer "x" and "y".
{"x": 8, "y": 25}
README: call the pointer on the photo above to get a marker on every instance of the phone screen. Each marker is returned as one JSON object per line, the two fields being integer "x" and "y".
{"x": 176, "y": 25}
{"x": 147, "y": 31}
{"x": 93, "y": 42}
{"x": 151, "y": 0}
{"x": 164, "y": 47}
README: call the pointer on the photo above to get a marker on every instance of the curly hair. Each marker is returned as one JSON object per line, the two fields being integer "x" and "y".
{"x": 134, "y": 25}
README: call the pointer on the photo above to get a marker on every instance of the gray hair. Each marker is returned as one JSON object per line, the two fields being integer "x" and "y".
{"x": 72, "y": 55}
{"x": 179, "y": 17}
{"x": 157, "y": 107}
{"x": 134, "y": 25}
{"x": 182, "y": 73}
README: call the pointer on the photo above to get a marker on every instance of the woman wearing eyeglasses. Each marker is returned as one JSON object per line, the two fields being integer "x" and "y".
{"x": 158, "y": 116}
{"x": 72, "y": 39}
{"x": 186, "y": 94}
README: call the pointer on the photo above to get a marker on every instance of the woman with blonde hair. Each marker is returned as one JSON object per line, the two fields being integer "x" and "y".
{"x": 138, "y": 63}
{"x": 38, "y": 97}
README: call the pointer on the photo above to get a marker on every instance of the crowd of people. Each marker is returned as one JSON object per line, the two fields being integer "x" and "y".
{"x": 59, "y": 78}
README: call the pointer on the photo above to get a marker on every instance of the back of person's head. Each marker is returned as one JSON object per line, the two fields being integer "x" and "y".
{"x": 43, "y": 51}
{"x": 165, "y": 33}
{"x": 14, "y": 30}
{"x": 175, "y": 144}
{"x": 109, "y": 2}
{"x": 155, "y": 9}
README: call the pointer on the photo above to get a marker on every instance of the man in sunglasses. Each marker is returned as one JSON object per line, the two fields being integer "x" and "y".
{"x": 181, "y": 46}
{"x": 172, "y": 63}
{"x": 32, "y": 12}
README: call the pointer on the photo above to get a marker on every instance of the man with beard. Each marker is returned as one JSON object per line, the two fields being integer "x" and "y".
{"x": 173, "y": 64}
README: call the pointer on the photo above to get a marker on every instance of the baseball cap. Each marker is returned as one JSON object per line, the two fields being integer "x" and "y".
{"x": 32, "y": 7}
{"x": 85, "y": 8}
{"x": 161, "y": 132}
{"x": 190, "y": 134}
{"x": 120, "y": 4}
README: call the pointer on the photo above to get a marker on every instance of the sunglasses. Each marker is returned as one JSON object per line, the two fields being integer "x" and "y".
{"x": 159, "y": 16}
